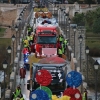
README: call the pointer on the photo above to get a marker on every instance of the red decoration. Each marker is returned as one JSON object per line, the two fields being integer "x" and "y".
{"x": 53, "y": 60}
{"x": 43, "y": 77}
{"x": 73, "y": 93}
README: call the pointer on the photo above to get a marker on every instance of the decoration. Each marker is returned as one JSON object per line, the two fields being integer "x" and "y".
{"x": 47, "y": 90}
{"x": 39, "y": 95}
{"x": 43, "y": 77}
{"x": 74, "y": 79}
{"x": 73, "y": 93}
{"x": 37, "y": 14}
{"x": 52, "y": 60}
{"x": 49, "y": 15}
{"x": 54, "y": 97}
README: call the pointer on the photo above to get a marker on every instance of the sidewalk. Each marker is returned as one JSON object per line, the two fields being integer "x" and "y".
{"x": 24, "y": 90}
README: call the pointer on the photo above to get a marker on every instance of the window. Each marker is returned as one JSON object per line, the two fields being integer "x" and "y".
{"x": 47, "y": 39}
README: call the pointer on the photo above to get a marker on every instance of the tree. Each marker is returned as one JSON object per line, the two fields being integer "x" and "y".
{"x": 96, "y": 26}
{"x": 79, "y": 18}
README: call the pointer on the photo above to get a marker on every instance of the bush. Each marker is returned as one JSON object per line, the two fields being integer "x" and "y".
{"x": 95, "y": 52}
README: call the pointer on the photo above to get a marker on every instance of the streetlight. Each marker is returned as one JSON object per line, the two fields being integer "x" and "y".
{"x": 13, "y": 40}
{"x": 61, "y": 17}
{"x": 74, "y": 29}
{"x": 87, "y": 52}
{"x": 21, "y": 14}
{"x": 16, "y": 62}
{"x": 16, "y": 28}
{"x": 69, "y": 29}
{"x": 66, "y": 16}
{"x": 9, "y": 49}
{"x": 80, "y": 40}
{"x": 5, "y": 64}
{"x": 64, "y": 21}
{"x": 96, "y": 66}
{"x": 19, "y": 21}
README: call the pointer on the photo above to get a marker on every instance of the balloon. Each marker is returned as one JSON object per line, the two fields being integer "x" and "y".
{"x": 54, "y": 97}
{"x": 74, "y": 78}
{"x": 43, "y": 77}
{"x": 47, "y": 90}
{"x": 53, "y": 60}
{"x": 73, "y": 93}
{"x": 39, "y": 95}
{"x": 65, "y": 98}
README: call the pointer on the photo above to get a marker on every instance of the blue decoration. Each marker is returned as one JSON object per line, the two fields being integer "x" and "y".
{"x": 74, "y": 78}
{"x": 47, "y": 90}
{"x": 39, "y": 95}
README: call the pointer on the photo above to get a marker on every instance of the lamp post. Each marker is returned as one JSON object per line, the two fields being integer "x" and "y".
{"x": 13, "y": 40}
{"x": 74, "y": 29}
{"x": 61, "y": 17}
{"x": 9, "y": 49}
{"x": 66, "y": 16}
{"x": 80, "y": 40}
{"x": 16, "y": 28}
{"x": 4, "y": 67}
{"x": 96, "y": 66}
{"x": 16, "y": 62}
{"x": 87, "y": 52}
{"x": 64, "y": 21}
{"x": 19, "y": 21}
{"x": 69, "y": 29}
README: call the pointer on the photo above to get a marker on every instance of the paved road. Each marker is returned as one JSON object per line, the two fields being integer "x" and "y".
{"x": 24, "y": 90}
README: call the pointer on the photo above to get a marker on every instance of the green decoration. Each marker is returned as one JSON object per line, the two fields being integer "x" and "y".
{"x": 47, "y": 90}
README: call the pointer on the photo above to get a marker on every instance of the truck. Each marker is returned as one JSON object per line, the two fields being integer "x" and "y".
{"x": 46, "y": 41}
{"x": 58, "y": 83}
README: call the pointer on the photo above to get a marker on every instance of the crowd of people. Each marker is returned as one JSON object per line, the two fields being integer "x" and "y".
{"x": 61, "y": 45}
{"x": 29, "y": 45}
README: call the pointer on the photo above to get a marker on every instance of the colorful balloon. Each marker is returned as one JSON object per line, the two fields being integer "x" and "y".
{"x": 47, "y": 90}
{"x": 73, "y": 93}
{"x": 39, "y": 95}
{"x": 54, "y": 97}
{"x": 43, "y": 77}
{"x": 74, "y": 78}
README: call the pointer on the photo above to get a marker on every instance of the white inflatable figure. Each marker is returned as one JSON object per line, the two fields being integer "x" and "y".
{"x": 59, "y": 75}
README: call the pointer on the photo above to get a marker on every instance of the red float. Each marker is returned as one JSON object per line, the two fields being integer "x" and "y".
{"x": 73, "y": 93}
{"x": 43, "y": 77}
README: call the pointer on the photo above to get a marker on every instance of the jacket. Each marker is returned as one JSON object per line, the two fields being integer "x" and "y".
{"x": 25, "y": 51}
{"x": 22, "y": 72}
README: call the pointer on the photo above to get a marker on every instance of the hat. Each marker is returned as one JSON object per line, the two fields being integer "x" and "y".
{"x": 18, "y": 86}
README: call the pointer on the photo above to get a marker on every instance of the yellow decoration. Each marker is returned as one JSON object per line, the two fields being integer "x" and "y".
{"x": 54, "y": 97}
{"x": 33, "y": 59}
{"x": 65, "y": 98}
